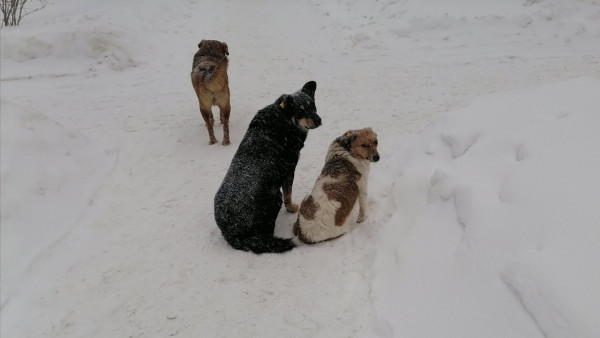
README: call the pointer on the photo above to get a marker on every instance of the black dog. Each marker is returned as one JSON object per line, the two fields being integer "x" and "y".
{"x": 249, "y": 199}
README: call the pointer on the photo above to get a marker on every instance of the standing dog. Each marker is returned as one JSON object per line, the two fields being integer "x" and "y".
{"x": 343, "y": 180}
{"x": 249, "y": 199}
{"x": 211, "y": 84}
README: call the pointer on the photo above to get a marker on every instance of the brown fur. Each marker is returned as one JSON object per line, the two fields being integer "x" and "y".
{"x": 298, "y": 233}
{"x": 339, "y": 191}
{"x": 211, "y": 84}
{"x": 309, "y": 208}
{"x": 364, "y": 144}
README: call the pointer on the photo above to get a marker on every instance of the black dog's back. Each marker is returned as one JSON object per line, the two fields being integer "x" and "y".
{"x": 249, "y": 199}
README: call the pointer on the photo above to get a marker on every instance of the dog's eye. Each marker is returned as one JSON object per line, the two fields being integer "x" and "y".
{"x": 364, "y": 145}
{"x": 375, "y": 142}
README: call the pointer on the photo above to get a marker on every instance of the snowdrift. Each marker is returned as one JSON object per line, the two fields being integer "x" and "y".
{"x": 482, "y": 211}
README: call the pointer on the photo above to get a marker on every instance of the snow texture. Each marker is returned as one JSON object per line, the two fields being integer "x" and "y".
{"x": 483, "y": 210}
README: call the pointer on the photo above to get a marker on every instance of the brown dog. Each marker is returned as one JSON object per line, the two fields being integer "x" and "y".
{"x": 211, "y": 84}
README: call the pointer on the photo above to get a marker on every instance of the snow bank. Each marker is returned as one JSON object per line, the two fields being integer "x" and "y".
{"x": 481, "y": 25}
{"x": 49, "y": 177}
{"x": 495, "y": 208}
{"x": 99, "y": 44}
{"x": 82, "y": 36}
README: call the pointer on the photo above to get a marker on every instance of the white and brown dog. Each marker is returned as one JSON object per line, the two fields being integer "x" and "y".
{"x": 343, "y": 180}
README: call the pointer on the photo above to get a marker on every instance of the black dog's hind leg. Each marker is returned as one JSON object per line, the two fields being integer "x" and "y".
{"x": 264, "y": 241}
{"x": 269, "y": 210}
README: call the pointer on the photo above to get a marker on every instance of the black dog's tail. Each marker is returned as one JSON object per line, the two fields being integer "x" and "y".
{"x": 262, "y": 244}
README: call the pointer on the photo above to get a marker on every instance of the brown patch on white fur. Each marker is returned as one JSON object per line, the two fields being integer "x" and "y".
{"x": 309, "y": 208}
{"x": 343, "y": 180}
{"x": 211, "y": 84}
{"x": 298, "y": 233}
{"x": 344, "y": 190}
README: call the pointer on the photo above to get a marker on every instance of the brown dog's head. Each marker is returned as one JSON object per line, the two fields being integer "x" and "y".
{"x": 213, "y": 48}
{"x": 360, "y": 143}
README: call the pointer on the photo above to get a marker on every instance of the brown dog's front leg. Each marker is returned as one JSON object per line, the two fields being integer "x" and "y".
{"x": 287, "y": 194}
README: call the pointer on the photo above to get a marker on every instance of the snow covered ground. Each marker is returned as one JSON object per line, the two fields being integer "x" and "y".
{"x": 484, "y": 218}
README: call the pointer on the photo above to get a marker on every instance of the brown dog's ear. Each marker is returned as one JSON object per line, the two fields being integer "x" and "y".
{"x": 200, "y": 43}
{"x": 225, "y": 48}
{"x": 346, "y": 140}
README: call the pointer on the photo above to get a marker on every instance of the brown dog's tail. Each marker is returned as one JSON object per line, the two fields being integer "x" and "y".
{"x": 261, "y": 244}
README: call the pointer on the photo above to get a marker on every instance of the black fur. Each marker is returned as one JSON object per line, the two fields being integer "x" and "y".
{"x": 249, "y": 199}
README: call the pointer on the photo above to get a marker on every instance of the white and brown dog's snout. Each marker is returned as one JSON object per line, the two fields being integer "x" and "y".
{"x": 374, "y": 157}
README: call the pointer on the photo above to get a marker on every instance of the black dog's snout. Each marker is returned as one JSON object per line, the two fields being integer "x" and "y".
{"x": 317, "y": 121}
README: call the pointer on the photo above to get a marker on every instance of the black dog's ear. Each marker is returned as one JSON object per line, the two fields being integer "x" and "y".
{"x": 346, "y": 140}
{"x": 200, "y": 43}
{"x": 285, "y": 102}
{"x": 225, "y": 48}
{"x": 309, "y": 88}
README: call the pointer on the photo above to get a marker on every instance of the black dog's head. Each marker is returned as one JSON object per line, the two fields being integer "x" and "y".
{"x": 300, "y": 107}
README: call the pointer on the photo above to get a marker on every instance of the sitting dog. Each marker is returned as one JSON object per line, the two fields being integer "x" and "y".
{"x": 211, "y": 84}
{"x": 249, "y": 199}
{"x": 343, "y": 180}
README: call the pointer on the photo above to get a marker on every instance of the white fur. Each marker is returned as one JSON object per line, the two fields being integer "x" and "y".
{"x": 322, "y": 226}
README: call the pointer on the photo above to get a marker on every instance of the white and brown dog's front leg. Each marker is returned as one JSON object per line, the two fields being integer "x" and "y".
{"x": 362, "y": 205}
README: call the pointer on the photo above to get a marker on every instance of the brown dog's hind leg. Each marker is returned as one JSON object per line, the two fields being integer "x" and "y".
{"x": 224, "y": 111}
{"x": 209, "y": 120}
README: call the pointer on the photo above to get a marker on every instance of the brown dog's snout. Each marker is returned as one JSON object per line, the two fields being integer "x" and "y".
{"x": 375, "y": 157}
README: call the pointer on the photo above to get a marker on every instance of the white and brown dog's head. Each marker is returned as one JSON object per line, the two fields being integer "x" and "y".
{"x": 361, "y": 144}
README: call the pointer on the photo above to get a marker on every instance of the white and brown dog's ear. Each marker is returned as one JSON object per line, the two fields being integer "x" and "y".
{"x": 346, "y": 140}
